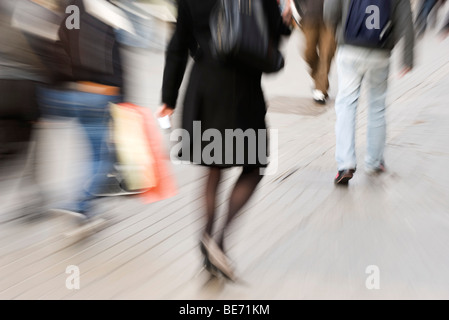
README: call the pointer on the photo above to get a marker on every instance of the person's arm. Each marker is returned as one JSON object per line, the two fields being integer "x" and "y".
{"x": 60, "y": 56}
{"x": 176, "y": 59}
{"x": 403, "y": 20}
{"x": 332, "y": 13}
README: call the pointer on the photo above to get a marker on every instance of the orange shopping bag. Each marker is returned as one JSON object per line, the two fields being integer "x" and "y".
{"x": 134, "y": 154}
{"x": 152, "y": 161}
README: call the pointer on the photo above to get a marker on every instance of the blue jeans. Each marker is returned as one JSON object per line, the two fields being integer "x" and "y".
{"x": 92, "y": 112}
{"x": 354, "y": 65}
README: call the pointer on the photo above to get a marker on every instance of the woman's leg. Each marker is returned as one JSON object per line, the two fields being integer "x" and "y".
{"x": 215, "y": 258}
{"x": 213, "y": 181}
{"x": 242, "y": 192}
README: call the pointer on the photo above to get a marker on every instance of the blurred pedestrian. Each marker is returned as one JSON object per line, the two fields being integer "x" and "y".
{"x": 93, "y": 81}
{"x": 319, "y": 47}
{"x": 21, "y": 71}
{"x": 371, "y": 62}
{"x": 219, "y": 97}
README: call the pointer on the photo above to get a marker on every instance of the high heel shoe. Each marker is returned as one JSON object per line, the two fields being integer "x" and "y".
{"x": 207, "y": 265}
{"x": 217, "y": 258}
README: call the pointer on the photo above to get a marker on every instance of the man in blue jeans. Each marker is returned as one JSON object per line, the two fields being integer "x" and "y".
{"x": 91, "y": 112}
{"x": 94, "y": 80}
{"x": 357, "y": 63}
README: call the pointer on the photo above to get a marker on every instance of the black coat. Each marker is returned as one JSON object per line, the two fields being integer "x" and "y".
{"x": 220, "y": 96}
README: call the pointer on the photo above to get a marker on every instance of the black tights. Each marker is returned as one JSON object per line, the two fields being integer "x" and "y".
{"x": 242, "y": 192}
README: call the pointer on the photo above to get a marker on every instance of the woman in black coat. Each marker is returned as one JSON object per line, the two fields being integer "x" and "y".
{"x": 219, "y": 97}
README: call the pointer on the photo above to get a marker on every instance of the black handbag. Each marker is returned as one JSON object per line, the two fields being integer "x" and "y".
{"x": 240, "y": 33}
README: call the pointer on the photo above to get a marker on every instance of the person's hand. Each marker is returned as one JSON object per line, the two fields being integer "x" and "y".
{"x": 287, "y": 14}
{"x": 164, "y": 111}
{"x": 404, "y": 71}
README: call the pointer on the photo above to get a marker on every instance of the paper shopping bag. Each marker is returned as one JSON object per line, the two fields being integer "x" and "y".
{"x": 135, "y": 157}
{"x": 158, "y": 169}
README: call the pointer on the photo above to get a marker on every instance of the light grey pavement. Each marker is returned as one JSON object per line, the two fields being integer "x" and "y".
{"x": 300, "y": 237}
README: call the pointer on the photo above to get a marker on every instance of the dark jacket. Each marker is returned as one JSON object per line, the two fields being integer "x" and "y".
{"x": 94, "y": 50}
{"x": 192, "y": 38}
{"x": 336, "y": 12}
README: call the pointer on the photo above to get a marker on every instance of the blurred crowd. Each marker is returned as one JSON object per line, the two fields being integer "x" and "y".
{"x": 51, "y": 68}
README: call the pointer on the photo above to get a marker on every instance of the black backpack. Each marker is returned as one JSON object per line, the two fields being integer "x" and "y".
{"x": 240, "y": 34}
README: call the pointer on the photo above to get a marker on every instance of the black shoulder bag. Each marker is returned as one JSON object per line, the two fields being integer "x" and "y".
{"x": 240, "y": 34}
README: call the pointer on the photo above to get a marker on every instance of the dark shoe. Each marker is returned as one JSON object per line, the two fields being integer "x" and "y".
{"x": 343, "y": 176}
{"x": 217, "y": 258}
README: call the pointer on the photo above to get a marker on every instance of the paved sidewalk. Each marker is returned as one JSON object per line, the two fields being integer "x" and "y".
{"x": 300, "y": 237}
